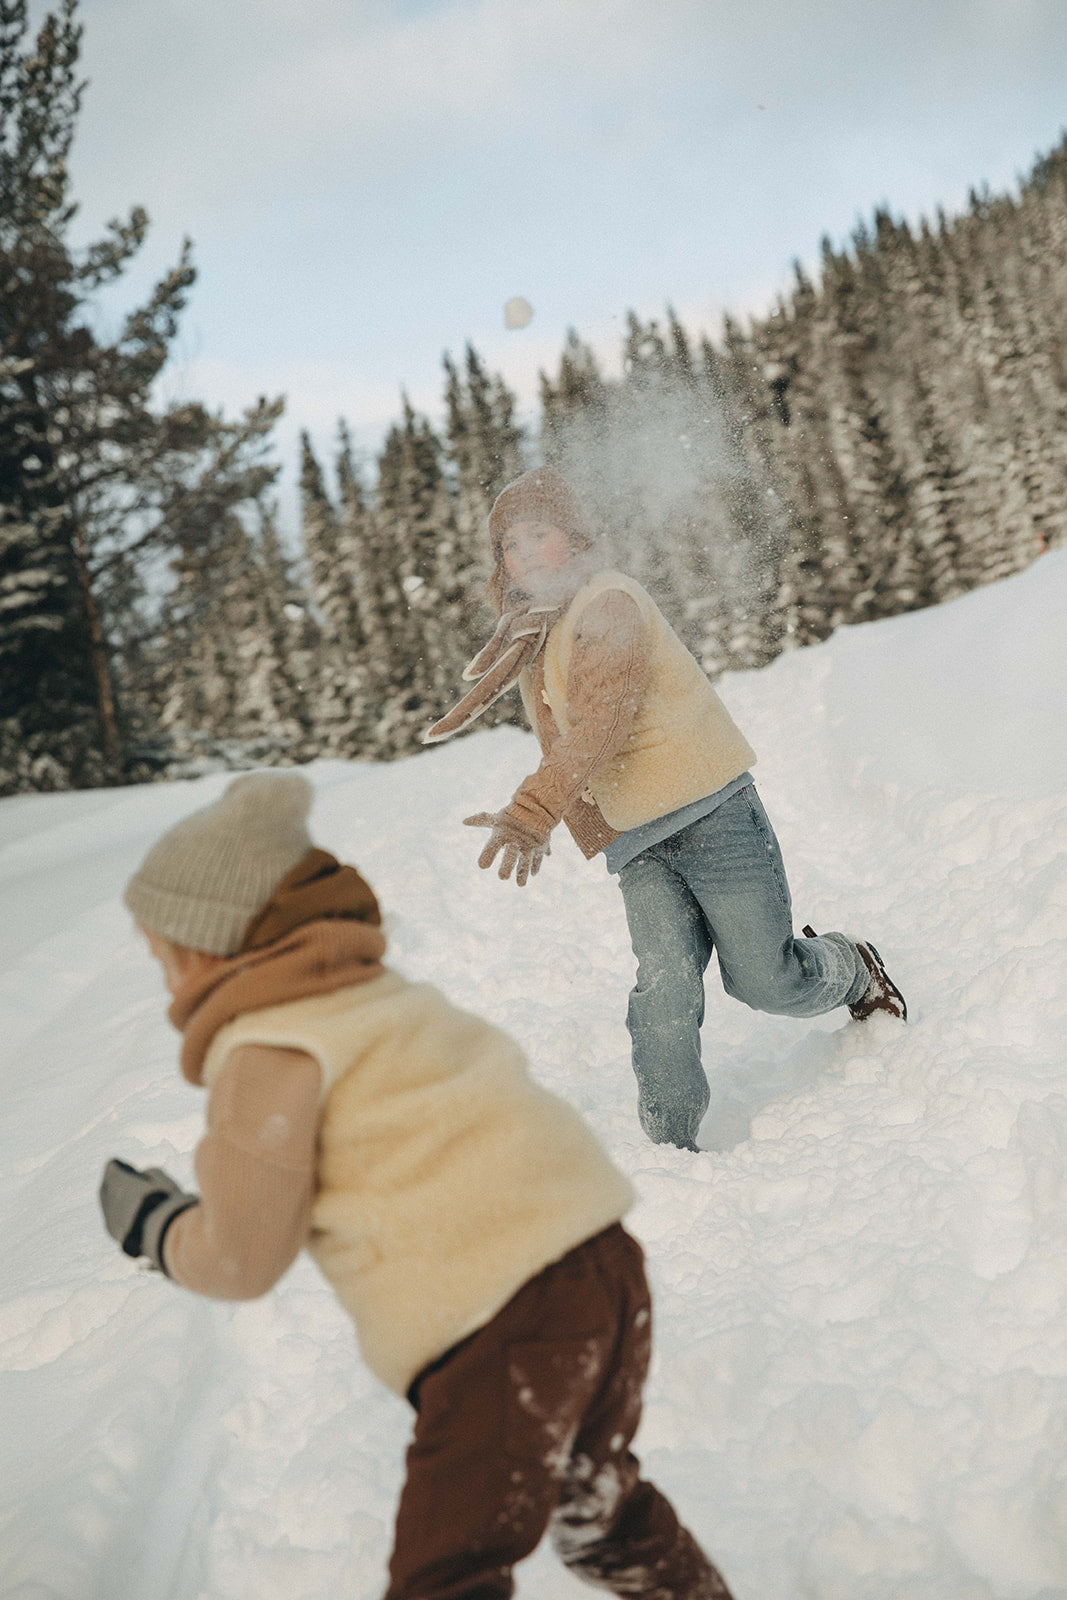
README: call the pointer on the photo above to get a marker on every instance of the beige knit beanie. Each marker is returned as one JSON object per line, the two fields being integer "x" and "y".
{"x": 204, "y": 881}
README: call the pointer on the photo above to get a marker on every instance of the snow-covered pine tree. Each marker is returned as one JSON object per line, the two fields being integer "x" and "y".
{"x": 573, "y": 409}
{"x": 956, "y": 371}
{"x": 93, "y": 476}
{"x": 276, "y": 646}
{"x": 882, "y": 572}
{"x": 680, "y": 359}
{"x": 826, "y": 421}
{"x": 1028, "y": 444}
{"x": 1041, "y": 243}
{"x": 232, "y": 656}
{"x": 811, "y": 492}
{"x": 154, "y": 562}
{"x": 484, "y": 450}
{"x": 423, "y": 599}
{"x": 932, "y": 474}
{"x": 925, "y": 401}
{"x": 739, "y": 420}
{"x": 903, "y": 369}
{"x": 342, "y": 686}
{"x": 56, "y": 721}
{"x": 363, "y": 560}
{"x": 195, "y": 662}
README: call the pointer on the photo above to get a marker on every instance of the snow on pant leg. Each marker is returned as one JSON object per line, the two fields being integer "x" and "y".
{"x": 672, "y": 944}
{"x": 496, "y": 1421}
{"x": 733, "y": 865}
{"x": 612, "y": 1528}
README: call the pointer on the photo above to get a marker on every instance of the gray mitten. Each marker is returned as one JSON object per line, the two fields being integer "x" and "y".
{"x": 524, "y": 847}
{"x": 139, "y": 1207}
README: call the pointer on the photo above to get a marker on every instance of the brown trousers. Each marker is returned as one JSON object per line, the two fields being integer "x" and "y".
{"x": 527, "y": 1425}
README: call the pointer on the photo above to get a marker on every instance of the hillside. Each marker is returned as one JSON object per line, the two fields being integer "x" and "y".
{"x": 860, "y": 1390}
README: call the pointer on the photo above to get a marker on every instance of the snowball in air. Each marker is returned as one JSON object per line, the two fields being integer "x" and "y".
{"x": 517, "y": 312}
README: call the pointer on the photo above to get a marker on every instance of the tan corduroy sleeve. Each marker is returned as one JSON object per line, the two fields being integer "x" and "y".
{"x": 255, "y": 1167}
{"x": 606, "y": 678}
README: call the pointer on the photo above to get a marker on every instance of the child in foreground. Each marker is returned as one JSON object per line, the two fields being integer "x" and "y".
{"x": 641, "y": 760}
{"x": 466, "y": 1218}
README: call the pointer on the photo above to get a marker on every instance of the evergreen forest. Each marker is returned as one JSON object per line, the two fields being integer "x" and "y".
{"x": 890, "y": 435}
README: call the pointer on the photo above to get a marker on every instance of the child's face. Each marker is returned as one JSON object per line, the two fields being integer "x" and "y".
{"x": 177, "y": 962}
{"x": 532, "y": 552}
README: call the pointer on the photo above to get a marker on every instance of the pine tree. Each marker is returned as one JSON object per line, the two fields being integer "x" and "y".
{"x": 362, "y": 558}
{"x": 811, "y": 494}
{"x": 48, "y": 707}
{"x": 732, "y": 549}
{"x": 573, "y": 408}
{"x": 484, "y": 452}
{"x": 423, "y": 599}
{"x": 193, "y": 531}
{"x": 231, "y": 657}
{"x": 94, "y": 478}
{"x": 341, "y": 667}
{"x": 279, "y": 685}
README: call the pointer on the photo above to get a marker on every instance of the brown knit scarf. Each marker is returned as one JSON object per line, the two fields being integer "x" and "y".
{"x": 518, "y": 640}
{"x": 318, "y": 932}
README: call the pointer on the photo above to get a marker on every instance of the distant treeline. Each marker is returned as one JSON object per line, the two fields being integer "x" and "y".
{"x": 889, "y": 436}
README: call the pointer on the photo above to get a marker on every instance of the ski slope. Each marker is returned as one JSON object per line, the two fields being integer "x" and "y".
{"x": 860, "y": 1387}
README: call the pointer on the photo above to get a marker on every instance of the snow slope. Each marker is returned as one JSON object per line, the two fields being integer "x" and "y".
{"x": 860, "y": 1390}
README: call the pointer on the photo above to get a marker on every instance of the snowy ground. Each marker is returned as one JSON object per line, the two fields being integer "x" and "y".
{"x": 860, "y": 1390}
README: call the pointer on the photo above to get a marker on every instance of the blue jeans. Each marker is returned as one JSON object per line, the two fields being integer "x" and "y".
{"x": 719, "y": 885}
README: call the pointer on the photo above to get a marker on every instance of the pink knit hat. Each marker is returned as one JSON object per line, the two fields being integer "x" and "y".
{"x": 538, "y": 496}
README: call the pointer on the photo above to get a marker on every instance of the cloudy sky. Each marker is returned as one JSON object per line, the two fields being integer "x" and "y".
{"x": 367, "y": 181}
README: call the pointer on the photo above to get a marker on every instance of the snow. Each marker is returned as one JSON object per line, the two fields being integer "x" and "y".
{"x": 860, "y": 1386}
{"x": 518, "y": 312}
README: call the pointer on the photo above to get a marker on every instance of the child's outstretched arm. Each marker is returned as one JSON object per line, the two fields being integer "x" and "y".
{"x": 606, "y": 679}
{"x": 255, "y": 1168}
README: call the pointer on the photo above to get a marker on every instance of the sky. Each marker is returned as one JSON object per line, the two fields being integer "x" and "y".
{"x": 366, "y": 182}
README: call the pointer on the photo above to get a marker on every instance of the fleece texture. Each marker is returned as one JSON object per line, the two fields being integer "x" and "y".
{"x": 445, "y": 1176}
{"x": 682, "y": 743}
{"x": 255, "y": 1170}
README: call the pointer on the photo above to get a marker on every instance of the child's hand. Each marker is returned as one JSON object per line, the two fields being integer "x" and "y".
{"x": 524, "y": 848}
{"x": 139, "y": 1207}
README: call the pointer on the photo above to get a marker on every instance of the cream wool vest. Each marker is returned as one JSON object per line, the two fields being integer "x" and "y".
{"x": 683, "y": 744}
{"x": 446, "y": 1177}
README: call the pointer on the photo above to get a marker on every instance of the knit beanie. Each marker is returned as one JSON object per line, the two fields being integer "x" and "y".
{"x": 538, "y": 496}
{"x": 203, "y": 882}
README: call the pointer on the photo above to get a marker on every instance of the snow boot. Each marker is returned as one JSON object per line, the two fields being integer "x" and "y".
{"x": 882, "y": 993}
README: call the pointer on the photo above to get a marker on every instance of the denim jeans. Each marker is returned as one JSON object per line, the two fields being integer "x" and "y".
{"x": 719, "y": 885}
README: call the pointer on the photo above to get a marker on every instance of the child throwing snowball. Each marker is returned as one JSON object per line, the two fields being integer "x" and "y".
{"x": 642, "y": 761}
{"x": 466, "y": 1218}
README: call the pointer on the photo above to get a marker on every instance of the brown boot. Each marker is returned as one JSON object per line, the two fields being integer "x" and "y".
{"x": 882, "y": 993}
